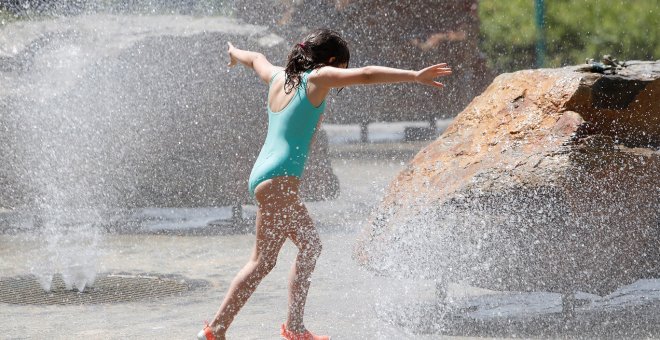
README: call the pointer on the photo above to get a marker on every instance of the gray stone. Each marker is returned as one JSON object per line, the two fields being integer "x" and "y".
{"x": 127, "y": 111}
{"x": 409, "y": 34}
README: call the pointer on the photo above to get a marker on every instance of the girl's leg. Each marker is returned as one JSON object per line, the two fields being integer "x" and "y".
{"x": 270, "y": 236}
{"x": 306, "y": 238}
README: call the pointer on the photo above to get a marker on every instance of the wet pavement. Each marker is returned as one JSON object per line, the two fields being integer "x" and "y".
{"x": 345, "y": 301}
{"x": 341, "y": 302}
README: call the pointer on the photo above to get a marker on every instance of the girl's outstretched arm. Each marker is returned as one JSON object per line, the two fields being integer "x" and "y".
{"x": 333, "y": 77}
{"x": 253, "y": 60}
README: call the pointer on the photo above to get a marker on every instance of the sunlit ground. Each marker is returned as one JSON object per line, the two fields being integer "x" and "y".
{"x": 343, "y": 301}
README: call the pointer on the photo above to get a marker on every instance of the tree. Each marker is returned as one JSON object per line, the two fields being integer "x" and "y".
{"x": 575, "y": 30}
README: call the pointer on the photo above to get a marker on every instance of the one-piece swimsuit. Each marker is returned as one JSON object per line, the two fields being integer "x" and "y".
{"x": 289, "y": 136}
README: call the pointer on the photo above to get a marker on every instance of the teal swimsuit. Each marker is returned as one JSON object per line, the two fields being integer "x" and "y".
{"x": 289, "y": 136}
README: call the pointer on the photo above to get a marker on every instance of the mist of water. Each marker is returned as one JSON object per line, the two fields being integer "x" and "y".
{"x": 81, "y": 138}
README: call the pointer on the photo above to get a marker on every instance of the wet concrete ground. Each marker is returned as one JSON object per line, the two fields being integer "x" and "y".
{"x": 342, "y": 293}
{"x": 342, "y": 300}
{"x": 345, "y": 301}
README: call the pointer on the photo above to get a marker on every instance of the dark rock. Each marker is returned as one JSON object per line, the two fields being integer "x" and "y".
{"x": 408, "y": 34}
{"x": 142, "y": 112}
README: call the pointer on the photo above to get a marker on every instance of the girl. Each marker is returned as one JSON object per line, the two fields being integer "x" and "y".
{"x": 296, "y": 100}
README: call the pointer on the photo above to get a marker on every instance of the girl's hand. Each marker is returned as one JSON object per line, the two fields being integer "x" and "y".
{"x": 427, "y": 75}
{"x": 230, "y": 51}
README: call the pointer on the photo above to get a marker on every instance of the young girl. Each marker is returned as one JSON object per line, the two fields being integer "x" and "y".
{"x": 296, "y": 100}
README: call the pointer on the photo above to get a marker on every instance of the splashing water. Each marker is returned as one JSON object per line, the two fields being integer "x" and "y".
{"x": 92, "y": 124}
{"x": 67, "y": 247}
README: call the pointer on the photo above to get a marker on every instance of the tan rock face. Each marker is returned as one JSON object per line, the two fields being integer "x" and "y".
{"x": 549, "y": 180}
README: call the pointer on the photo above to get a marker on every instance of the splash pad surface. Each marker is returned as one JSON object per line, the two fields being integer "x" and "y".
{"x": 345, "y": 300}
{"x": 108, "y": 288}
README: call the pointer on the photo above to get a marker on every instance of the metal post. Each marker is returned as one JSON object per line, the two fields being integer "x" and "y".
{"x": 568, "y": 305}
{"x": 237, "y": 216}
{"x": 440, "y": 292}
{"x": 539, "y": 7}
{"x": 364, "y": 132}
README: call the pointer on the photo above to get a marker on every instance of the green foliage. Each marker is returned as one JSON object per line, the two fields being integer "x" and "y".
{"x": 574, "y": 30}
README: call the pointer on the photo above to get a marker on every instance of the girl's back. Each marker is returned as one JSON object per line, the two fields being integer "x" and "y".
{"x": 291, "y": 127}
{"x": 278, "y": 98}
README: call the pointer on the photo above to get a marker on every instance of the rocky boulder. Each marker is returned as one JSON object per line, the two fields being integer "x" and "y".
{"x": 549, "y": 180}
{"x": 407, "y": 34}
{"x": 128, "y": 111}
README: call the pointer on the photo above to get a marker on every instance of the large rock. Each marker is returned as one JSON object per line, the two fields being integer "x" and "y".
{"x": 407, "y": 34}
{"x": 126, "y": 111}
{"x": 549, "y": 180}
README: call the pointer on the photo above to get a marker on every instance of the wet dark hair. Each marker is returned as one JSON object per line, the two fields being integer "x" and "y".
{"x": 313, "y": 52}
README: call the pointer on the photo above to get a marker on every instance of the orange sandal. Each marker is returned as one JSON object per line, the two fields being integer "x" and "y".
{"x": 307, "y": 335}
{"x": 206, "y": 333}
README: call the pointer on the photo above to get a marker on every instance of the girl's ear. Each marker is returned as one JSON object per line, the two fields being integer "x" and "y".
{"x": 331, "y": 60}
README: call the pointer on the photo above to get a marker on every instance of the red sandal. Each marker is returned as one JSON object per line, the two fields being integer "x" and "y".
{"x": 307, "y": 335}
{"x": 206, "y": 333}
